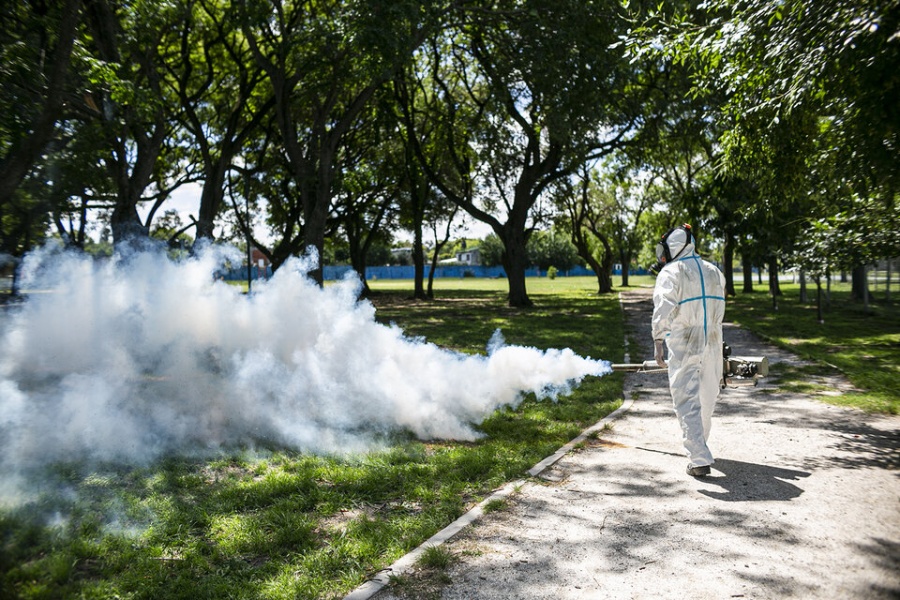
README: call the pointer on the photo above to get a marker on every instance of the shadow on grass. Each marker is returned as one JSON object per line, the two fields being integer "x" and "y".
{"x": 589, "y": 325}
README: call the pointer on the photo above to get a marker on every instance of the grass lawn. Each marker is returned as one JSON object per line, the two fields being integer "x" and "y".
{"x": 864, "y": 346}
{"x": 275, "y": 523}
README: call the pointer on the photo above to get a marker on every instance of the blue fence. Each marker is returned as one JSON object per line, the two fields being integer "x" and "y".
{"x": 456, "y": 271}
{"x": 333, "y": 273}
{"x": 374, "y": 273}
{"x": 240, "y": 273}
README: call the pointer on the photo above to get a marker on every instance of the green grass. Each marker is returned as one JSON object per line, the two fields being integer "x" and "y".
{"x": 496, "y": 505}
{"x": 272, "y": 523}
{"x": 436, "y": 557}
{"x": 429, "y": 578}
{"x": 863, "y": 346}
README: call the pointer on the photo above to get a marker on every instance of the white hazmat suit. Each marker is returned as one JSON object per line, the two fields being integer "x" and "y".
{"x": 688, "y": 307}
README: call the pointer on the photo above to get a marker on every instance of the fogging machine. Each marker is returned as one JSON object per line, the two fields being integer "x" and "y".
{"x": 736, "y": 370}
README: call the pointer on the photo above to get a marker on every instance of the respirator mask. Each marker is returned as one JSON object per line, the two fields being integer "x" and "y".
{"x": 675, "y": 239}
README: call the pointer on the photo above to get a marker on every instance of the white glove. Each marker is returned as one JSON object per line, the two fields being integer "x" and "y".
{"x": 658, "y": 353}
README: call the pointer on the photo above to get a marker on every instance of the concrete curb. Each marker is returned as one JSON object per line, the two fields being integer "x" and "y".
{"x": 408, "y": 561}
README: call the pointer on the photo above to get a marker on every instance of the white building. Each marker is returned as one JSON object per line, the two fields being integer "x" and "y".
{"x": 470, "y": 257}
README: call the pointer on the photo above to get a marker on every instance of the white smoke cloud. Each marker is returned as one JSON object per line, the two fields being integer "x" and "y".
{"x": 138, "y": 356}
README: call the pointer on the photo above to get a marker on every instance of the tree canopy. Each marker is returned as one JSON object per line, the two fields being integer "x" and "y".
{"x": 772, "y": 125}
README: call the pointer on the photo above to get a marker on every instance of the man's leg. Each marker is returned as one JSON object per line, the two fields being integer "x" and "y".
{"x": 684, "y": 384}
{"x": 710, "y": 377}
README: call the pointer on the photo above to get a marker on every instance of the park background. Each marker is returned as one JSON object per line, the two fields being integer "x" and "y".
{"x": 555, "y": 134}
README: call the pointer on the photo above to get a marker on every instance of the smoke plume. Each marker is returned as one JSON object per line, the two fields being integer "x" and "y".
{"x": 138, "y": 356}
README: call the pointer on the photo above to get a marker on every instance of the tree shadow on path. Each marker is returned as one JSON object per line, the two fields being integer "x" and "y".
{"x": 749, "y": 482}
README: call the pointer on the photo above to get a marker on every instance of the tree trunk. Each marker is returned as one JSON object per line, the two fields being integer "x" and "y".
{"x": 585, "y": 253}
{"x": 819, "y": 300}
{"x": 866, "y": 295}
{"x": 316, "y": 205}
{"x": 314, "y": 238}
{"x": 126, "y": 223}
{"x": 418, "y": 256}
{"x": 14, "y": 289}
{"x": 728, "y": 260}
{"x": 211, "y": 199}
{"x": 140, "y": 154}
{"x": 358, "y": 257}
{"x": 887, "y": 286}
{"x": 602, "y": 268}
{"x": 774, "y": 287}
{"x": 604, "y": 275}
{"x": 429, "y": 292}
{"x": 626, "y": 262}
{"x": 418, "y": 195}
{"x": 860, "y": 286}
{"x": 804, "y": 297}
{"x": 438, "y": 246}
{"x": 774, "y": 284}
{"x": 131, "y": 166}
{"x": 747, "y": 266}
{"x": 515, "y": 261}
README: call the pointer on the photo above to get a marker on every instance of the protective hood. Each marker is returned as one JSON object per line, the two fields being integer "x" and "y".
{"x": 675, "y": 243}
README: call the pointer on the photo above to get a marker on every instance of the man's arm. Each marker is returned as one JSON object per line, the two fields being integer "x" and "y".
{"x": 665, "y": 301}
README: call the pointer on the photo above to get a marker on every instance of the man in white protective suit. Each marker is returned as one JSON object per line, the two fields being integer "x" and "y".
{"x": 688, "y": 307}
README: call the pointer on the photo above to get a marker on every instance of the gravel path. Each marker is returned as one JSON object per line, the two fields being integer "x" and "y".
{"x": 803, "y": 502}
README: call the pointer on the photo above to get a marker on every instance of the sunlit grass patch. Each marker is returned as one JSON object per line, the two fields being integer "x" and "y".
{"x": 862, "y": 346}
{"x": 809, "y": 378}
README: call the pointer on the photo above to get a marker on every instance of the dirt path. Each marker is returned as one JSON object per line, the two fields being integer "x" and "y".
{"x": 803, "y": 502}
